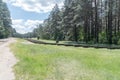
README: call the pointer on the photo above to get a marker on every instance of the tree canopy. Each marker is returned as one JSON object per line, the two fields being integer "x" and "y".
{"x": 5, "y": 21}
{"x": 89, "y": 21}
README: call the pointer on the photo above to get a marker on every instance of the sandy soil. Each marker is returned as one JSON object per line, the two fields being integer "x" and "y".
{"x": 7, "y": 60}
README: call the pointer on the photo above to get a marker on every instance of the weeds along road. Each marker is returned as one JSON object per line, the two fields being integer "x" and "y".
{"x": 7, "y": 60}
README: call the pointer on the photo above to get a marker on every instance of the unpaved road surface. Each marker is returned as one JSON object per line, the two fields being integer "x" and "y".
{"x": 7, "y": 60}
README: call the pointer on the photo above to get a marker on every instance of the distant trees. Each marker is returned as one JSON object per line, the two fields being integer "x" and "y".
{"x": 90, "y": 21}
{"x": 51, "y": 29}
{"x": 70, "y": 20}
{"x": 5, "y": 21}
{"x": 54, "y": 23}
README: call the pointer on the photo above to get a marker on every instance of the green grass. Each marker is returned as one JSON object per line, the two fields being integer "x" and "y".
{"x": 49, "y": 41}
{"x": 46, "y": 62}
{"x": 53, "y": 41}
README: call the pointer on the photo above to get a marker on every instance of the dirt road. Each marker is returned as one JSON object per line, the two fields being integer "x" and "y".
{"x": 7, "y": 60}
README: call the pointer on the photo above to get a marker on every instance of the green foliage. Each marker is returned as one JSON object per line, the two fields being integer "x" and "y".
{"x": 89, "y": 21}
{"x": 2, "y": 32}
{"x": 5, "y": 21}
{"x": 117, "y": 38}
{"x": 102, "y": 37}
{"x": 81, "y": 37}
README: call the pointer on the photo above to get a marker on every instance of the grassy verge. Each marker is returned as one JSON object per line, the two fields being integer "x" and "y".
{"x": 53, "y": 41}
{"x": 46, "y": 62}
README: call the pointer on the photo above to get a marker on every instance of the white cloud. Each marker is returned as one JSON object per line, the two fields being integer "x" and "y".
{"x": 18, "y": 21}
{"x": 39, "y": 6}
{"x": 23, "y": 26}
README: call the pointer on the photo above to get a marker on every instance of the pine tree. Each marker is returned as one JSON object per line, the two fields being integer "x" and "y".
{"x": 5, "y": 20}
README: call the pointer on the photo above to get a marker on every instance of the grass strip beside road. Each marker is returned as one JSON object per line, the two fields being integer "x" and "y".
{"x": 75, "y": 44}
{"x": 51, "y": 62}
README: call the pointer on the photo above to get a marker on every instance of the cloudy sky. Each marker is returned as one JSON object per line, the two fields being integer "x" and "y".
{"x": 26, "y": 14}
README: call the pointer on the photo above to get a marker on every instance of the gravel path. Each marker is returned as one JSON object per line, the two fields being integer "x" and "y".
{"x": 7, "y": 60}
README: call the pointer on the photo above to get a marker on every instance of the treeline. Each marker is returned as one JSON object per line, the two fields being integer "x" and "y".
{"x": 89, "y": 21}
{"x": 5, "y": 21}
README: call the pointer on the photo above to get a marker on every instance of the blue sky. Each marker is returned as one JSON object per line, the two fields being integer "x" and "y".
{"x": 26, "y": 14}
